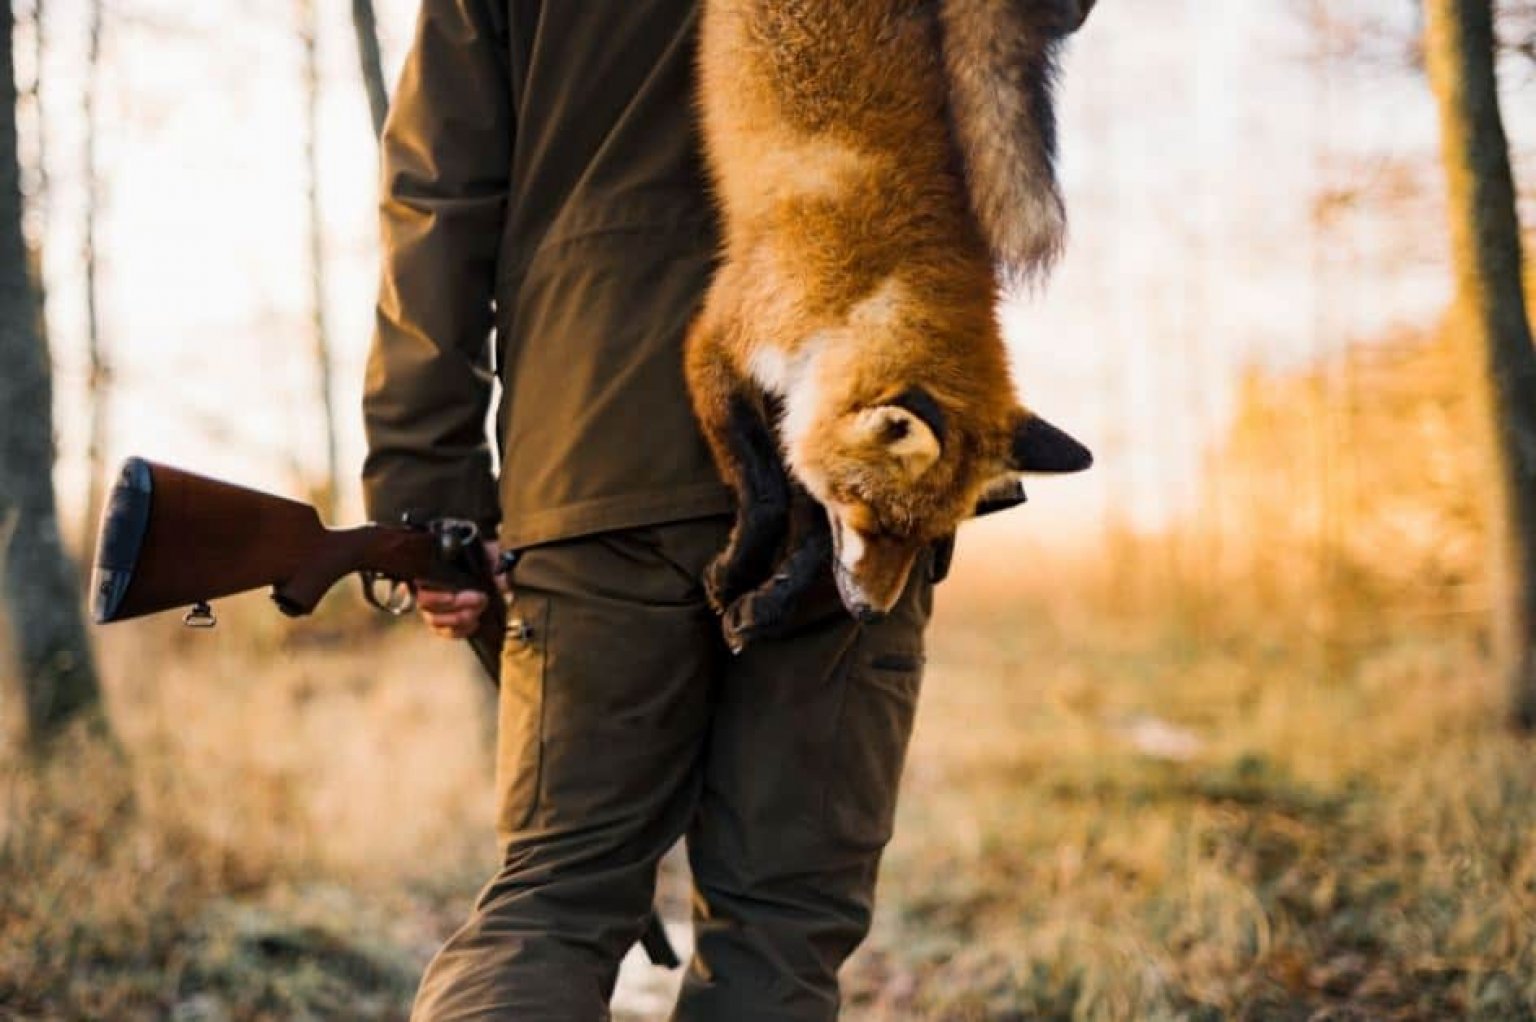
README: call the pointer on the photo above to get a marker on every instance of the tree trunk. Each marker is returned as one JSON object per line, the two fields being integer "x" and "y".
{"x": 308, "y": 34}
{"x": 99, "y": 382}
{"x": 1485, "y": 248}
{"x": 40, "y": 594}
{"x": 367, "y": 28}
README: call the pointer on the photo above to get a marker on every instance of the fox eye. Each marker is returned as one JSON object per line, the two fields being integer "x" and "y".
{"x": 879, "y": 529}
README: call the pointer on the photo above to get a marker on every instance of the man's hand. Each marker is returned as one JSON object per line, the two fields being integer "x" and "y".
{"x": 455, "y": 614}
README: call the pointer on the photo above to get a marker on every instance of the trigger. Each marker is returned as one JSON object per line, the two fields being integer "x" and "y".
{"x": 388, "y": 594}
{"x": 402, "y": 598}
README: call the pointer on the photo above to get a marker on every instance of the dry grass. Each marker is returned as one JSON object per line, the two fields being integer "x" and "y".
{"x": 299, "y": 815}
{"x": 1136, "y": 821}
{"x": 1124, "y": 801}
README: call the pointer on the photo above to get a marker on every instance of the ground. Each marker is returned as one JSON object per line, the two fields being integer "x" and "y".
{"x": 1107, "y": 814}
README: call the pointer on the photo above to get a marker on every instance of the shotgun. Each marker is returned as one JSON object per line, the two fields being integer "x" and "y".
{"x": 170, "y": 539}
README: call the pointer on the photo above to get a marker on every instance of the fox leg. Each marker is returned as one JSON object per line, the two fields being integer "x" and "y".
{"x": 762, "y": 508}
{"x": 740, "y": 436}
{"x": 765, "y": 612}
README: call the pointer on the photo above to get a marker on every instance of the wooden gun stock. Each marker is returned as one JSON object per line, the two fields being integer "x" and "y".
{"x": 170, "y": 538}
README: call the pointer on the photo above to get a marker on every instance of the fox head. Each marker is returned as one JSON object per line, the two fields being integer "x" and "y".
{"x": 902, "y": 471}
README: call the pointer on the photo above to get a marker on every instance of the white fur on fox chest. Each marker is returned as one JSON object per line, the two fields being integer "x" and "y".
{"x": 793, "y": 378}
{"x": 796, "y": 376}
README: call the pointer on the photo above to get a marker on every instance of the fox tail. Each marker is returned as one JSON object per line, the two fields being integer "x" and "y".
{"x": 1000, "y": 58}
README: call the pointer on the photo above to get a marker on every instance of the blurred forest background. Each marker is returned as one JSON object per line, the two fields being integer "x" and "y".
{"x": 1236, "y": 726}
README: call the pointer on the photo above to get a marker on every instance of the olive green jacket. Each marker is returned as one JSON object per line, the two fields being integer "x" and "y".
{"x": 546, "y": 222}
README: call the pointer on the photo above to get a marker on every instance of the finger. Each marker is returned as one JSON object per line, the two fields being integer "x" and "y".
{"x": 456, "y": 620}
{"x": 442, "y": 601}
{"x": 451, "y": 628}
{"x": 434, "y": 599}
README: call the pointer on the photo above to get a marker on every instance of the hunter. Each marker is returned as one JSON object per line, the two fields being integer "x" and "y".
{"x": 547, "y": 225}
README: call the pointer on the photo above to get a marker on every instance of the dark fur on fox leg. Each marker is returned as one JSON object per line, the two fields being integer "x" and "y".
{"x": 765, "y": 612}
{"x": 762, "y": 506}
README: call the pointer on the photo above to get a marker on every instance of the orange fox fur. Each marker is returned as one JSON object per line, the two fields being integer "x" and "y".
{"x": 879, "y": 165}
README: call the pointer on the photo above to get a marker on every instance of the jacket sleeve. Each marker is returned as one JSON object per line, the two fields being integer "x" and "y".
{"x": 446, "y": 159}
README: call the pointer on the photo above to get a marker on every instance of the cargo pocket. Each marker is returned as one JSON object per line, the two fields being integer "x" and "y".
{"x": 524, "y": 660}
{"x": 623, "y": 710}
{"x": 869, "y": 745}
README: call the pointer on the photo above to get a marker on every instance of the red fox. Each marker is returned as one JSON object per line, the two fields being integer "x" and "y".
{"x": 881, "y": 166}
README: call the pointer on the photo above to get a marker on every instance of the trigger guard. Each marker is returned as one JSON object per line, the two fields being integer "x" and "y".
{"x": 398, "y": 601}
{"x": 402, "y": 598}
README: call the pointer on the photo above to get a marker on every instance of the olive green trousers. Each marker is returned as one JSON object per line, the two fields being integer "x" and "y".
{"x": 625, "y": 724}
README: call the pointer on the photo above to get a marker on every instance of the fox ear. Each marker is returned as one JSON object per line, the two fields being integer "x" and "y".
{"x": 1083, "y": 8}
{"x": 905, "y": 437}
{"x": 1039, "y": 446}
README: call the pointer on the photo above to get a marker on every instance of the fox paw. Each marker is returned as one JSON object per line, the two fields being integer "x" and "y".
{"x": 734, "y": 629}
{"x": 724, "y": 583}
{"x": 738, "y": 625}
{"x": 762, "y": 614}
